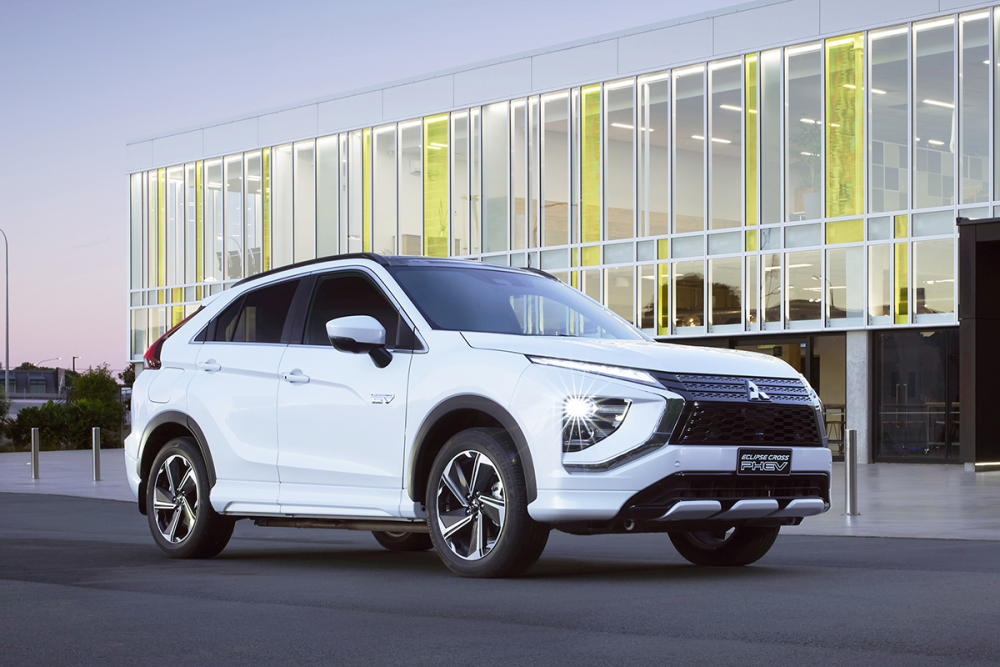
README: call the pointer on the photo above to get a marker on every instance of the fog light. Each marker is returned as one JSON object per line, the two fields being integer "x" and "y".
{"x": 587, "y": 421}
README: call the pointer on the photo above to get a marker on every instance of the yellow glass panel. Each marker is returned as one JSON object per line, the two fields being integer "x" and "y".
{"x": 902, "y": 226}
{"x": 590, "y": 163}
{"x": 176, "y": 312}
{"x": 663, "y": 289}
{"x": 845, "y": 231}
{"x": 265, "y": 251}
{"x": 161, "y": 228}
{"x": 366, "y": 195}
{"x": 575, "y": 257}
{"x": 591, "y": 255}
{"x": 436, "y": 186}
{"x": 199, "y": 217}
{"x": 663, "y": 249}
{"x": 900, "y": 301}
{"x": 751, "y": 241}
{"x": 750, "y": 119}
{"x": 197, "y": 293}
{"x": 845, "y": 125}
{"x": 575, "y": 279}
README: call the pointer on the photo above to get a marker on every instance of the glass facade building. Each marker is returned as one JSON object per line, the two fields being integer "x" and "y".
{"x": 779, "y": 200}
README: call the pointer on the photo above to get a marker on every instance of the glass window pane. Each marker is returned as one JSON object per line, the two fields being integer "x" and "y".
{"x": 591, "y": 283}
{"x": 459, "y": 183}
{"x": 933, "y": 223}
{"x": 974, "y": 107}
{"x": 366, "y": 190}
{"x": 901, "y": 295}
{"x": 213, "y": 219}
{"x": 555, "y": 169}
{"x": 161, "y": 229}
{"x": 355, "y": 192}
{"x": 888, "y": 121}
{"x": 689, "y": 294}
{"x": 804, "y": 127}
{"x": 411, "y": 188}
{"x": 475, "y": 146}
{"x": 618, "y": 291}
{"x": 495, "y": 176}
{"x": 934, "y": 119}
{"x": 534, "y": 178}
{"x": 590, "y": 163}
{"x": 750, "y": 298}
{"x": 347, "y": 295}
{"x": 305, "y": 201}
{"x": 750, "y": 125}
{"x": 770, "y": 136}
{"x": 663, "y": 295}
{"x": 281, "y": 226}
{"x": 772, "y": 288}
{"x": 384, "y": 190}
{"x": 845, "y": 125}
{"x": 803, "y": 287}
{"x": 647, "y": 291}
{"x": 934, "y": 276}
{"x": 265, "y": 209}
{"x": 327, "y": 190}
{"x": 801, "y": 236}
{"x": 344, "y": 143}
{"x": 436, "y": 202}
{"x": 138, "y": 336}
{"x": 726, "y": 290}
{"x": 254, "y": 212}
{"x": 654, "y": 134}
{"x": 175, "y": 225}
{"x": 726, "y": 117}
{"x": 190, "y": 224}
{"x": 845, "y": 278}
{"x": 232, "y": 255}
{"x": 879, "y": 281}
{"x": 518, "y": 172}
{"x": 689, "y": 149}
{"x": 135, "y": 231}
{"x": 618, "y": 171}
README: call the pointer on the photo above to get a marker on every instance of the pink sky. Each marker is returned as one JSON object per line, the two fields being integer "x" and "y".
{"x": 81, "y": 79}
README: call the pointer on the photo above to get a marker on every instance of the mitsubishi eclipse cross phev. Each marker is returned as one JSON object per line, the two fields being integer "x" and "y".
{"x": 467, "y": 408}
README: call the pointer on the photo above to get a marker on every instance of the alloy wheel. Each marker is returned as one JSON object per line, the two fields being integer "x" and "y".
{"x": 471, "y": 505}
{"x": 175, "y": 499}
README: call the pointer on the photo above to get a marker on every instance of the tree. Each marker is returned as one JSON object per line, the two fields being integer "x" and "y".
{"x": 127, "y": 376}
{"x": 97, "y": 384}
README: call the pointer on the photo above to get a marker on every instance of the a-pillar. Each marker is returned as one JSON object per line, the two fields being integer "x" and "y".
{"x": 858, "y": 390}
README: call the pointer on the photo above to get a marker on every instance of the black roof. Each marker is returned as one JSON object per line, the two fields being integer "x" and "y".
{"x": 393, "y": 260}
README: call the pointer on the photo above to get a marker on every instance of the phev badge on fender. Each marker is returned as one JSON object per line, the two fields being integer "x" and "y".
{"x": 382, "y": 399}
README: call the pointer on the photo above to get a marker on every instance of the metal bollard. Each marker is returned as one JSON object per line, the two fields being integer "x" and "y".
{"x": 34, "y": 453}
{"x": 851, "y": 473}
{"x": 95, "y": 434}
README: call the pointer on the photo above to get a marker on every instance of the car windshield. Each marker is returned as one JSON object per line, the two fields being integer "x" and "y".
{"x": 509, "y": 302}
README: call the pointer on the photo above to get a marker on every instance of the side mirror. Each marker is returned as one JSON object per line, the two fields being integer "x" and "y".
{"x": 357, "y": 334}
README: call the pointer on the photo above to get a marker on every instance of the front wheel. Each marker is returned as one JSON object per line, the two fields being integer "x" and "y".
{"x": 182, "y": 520}
{"x": 477, "y": 507}
{"x": 725, "y": 548}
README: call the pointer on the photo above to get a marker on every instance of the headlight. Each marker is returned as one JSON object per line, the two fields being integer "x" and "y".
{"x": 588, "y": 420}
{"x": 630, "y": 374}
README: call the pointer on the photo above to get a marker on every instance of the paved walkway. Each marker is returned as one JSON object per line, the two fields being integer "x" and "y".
{"x": 895, "y": 499}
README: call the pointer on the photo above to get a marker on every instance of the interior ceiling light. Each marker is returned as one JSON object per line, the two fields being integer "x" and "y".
{"x": 889, "y": 33}
{"x": 878, "y": 91}
{"x": 802, "y": 49}
{"x": 975, "y": 17}
{"x": 938, "y": 103}
{"x": 730, "y": 107}
{"x": 934, "y": 24}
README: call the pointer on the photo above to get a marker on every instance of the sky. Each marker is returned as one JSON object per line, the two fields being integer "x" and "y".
{"x": 79, "y": 80}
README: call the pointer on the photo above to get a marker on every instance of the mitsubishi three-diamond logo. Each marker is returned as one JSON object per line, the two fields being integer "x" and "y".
{"x": 755, "y": 394}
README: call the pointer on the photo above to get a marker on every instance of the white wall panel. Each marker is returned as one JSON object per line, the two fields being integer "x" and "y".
{"x": 493, "y": 82}
{"x": 961, "y": 4}
{"x": 232, "y": 137}
{"x": 580, "y": 64}
{"x": 178, "y": 148}
{"x": 346, "y": 113}
{"x": 139, "y": 156}
{"x": 419, "y": 98}
{"x": 666, "y": 46}
{"x": 844, "y": 15}
{"x": 759, "y": 27}
{"x": 288, "y": 125}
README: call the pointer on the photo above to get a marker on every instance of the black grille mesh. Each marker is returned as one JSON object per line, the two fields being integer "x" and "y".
{"x": 728, "y": 388}
{"x": 750, "y": 424}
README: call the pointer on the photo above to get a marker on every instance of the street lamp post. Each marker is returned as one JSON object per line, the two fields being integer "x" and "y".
{"x": 49, "y": 359}
{"x": 74, "y": 363}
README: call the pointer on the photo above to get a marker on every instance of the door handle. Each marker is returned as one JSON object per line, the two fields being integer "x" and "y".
{"x": 295, "y": 377}
{"x": 209, "y": 366}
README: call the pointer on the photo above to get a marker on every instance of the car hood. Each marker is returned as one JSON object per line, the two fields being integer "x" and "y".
{"x": 642, "y": 354}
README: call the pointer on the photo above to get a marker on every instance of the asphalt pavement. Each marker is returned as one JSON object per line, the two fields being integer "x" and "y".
{"x": 81, "y": 583}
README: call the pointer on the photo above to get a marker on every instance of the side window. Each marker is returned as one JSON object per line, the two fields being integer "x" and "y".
{"x": 257, "y": 317}
{"x": 343, "y": 295}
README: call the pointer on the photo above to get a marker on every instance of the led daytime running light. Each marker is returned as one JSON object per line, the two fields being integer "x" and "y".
{"x": 629, "y": 374}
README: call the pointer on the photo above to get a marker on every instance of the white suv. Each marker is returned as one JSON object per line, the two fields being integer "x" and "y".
{"x": 464, "y": 407}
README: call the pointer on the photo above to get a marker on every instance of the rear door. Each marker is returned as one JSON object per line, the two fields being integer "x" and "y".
{"x": 232, "y": 397}
{"x": 342, "y": 419}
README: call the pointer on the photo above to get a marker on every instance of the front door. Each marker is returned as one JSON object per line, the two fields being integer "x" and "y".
{"x": 341, "y": 418}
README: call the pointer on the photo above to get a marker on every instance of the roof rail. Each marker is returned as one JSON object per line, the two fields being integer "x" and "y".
{"x": 374, "y": 257}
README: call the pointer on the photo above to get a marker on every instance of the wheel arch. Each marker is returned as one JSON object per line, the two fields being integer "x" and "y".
{"x": 452, "y": 416}
{"x": 160, "y": 430}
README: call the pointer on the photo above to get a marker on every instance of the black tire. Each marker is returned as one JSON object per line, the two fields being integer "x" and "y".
{"x": 182, "y": 520}
{"x": 494, "y": 503}
{"x": 403, "y": 541}
{"x": 742, "y": 546}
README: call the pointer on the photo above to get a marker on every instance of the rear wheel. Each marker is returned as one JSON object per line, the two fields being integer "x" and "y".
{"x": 477, "y": 507}
{"x": 394, "y": 541}
{"x": 732, "y": 547}
{"x": 182, "y": 520}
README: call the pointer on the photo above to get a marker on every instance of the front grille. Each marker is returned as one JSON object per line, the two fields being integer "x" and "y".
{"x": 726, "y": 487}
{"x": 750, "y": 424}
{"x": 781, "y": 391}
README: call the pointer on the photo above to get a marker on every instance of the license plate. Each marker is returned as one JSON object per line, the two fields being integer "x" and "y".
{"x": 764, "y": 462}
